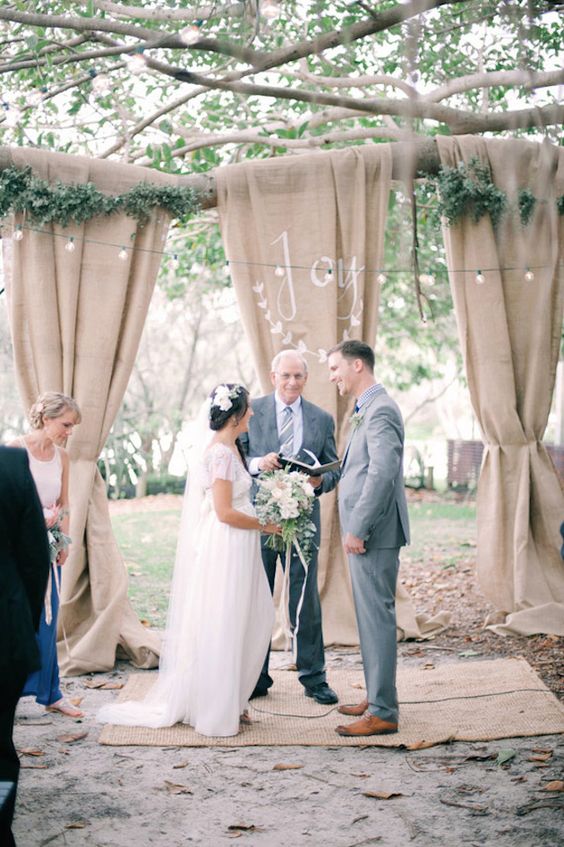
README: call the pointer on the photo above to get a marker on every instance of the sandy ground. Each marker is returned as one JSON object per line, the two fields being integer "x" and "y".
{"x": 76, "y": 792}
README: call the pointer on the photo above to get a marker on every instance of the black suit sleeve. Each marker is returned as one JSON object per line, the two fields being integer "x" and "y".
{"x": 32, "y": 548}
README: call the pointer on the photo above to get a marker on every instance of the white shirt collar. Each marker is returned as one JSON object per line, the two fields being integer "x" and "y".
{"x": 280, "y": 404}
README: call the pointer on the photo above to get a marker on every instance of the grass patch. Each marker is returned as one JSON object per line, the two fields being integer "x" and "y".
{"x": 147, "y": 541}
{"x": 443, "y": 535}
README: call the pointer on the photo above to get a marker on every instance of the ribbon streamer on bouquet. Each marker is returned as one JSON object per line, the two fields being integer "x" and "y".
{"x": 54, "y": 584}
{"x": 292, "y": 634}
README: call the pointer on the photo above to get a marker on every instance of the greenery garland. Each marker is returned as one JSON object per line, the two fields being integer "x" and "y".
{"x": 468, "y": 190}
{"x": 22, "y": 191}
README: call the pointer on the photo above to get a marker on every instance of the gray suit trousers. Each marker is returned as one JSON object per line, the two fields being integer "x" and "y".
{"x": 374, "y": 576}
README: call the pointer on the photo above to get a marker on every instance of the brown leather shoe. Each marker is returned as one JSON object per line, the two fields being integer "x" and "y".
{"x": 355, "y": 711}
{"x": 368, "y": 725}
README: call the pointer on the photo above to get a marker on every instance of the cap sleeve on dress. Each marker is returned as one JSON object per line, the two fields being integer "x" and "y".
{"x": 221, "y": 463}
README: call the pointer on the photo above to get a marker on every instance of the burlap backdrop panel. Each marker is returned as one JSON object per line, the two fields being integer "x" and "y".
{"x": 304, "y": 239}
{"x": 76, "y": 323}
{"x": 510, "y": 336}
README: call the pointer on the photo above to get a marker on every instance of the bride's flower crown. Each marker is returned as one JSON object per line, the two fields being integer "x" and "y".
{"x": 223, "y": 397}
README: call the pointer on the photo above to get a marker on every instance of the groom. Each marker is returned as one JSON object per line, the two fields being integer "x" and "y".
{"x": 285, "y": 422}
{"x": 375, "y": 524}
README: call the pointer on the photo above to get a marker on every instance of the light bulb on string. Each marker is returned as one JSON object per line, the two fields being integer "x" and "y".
{"x": 17, "y": 235}
{"x": 270, "y": 10}
{"x": 190, "y": 34}
{"x": 174, "y": 263}
{"x": 381, "y": 279}
{"x": 480, "y": 278}
{"x": 70, "y": 246}
{"x": 529, "y": 275}
{"x": 136, "y": 64}
{"x": 122, "y": 254}
{"x": 278, "y": 270}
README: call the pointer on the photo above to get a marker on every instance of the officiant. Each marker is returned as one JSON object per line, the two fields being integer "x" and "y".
{"x": 285, "y": 424}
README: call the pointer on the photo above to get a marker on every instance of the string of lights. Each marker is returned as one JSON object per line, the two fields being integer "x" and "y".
{"x": 125, "y": 252}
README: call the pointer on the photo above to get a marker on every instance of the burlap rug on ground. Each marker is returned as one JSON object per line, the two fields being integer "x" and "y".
{"x": 461, "y": 701}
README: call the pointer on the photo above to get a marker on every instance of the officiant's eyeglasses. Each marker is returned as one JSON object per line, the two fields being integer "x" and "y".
{"x": 299, "y": 377}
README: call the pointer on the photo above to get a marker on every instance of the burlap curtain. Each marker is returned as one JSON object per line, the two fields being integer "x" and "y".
{"x": 76, "y": 321}
{"x": 304, "y": 238}
{"x": 510, "y": 336}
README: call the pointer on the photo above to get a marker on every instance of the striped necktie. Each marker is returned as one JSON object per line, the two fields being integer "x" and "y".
{"x": 287, "y": 431}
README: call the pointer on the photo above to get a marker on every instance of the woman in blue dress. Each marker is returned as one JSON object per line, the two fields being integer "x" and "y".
{"x": 52, "y": 418}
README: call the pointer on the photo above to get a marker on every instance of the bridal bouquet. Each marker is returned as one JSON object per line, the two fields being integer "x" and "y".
{"x": 286, "y": 498}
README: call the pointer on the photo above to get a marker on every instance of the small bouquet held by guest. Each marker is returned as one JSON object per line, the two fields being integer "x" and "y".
{"x": 286, "y": 498}
{"x": 58, "y": 540}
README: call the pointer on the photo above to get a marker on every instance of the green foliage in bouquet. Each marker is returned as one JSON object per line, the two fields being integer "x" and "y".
{"x": 286, "y": 498}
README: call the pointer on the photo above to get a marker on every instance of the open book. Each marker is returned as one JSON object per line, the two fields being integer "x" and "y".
{"x": 308, "y": 464}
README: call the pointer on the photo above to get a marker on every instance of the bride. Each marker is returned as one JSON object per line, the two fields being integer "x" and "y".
{"x": 221, "y": 612}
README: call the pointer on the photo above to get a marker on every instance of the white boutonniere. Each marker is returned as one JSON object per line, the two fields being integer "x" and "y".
{"x": 356, "y": 419}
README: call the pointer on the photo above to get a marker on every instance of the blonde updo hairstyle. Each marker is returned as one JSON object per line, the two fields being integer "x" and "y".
{"x": 50, "y": 405}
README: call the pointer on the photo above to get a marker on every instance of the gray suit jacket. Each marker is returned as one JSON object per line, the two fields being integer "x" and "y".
{"x": 372, "y": 503}
{"x": 318, "y": 436}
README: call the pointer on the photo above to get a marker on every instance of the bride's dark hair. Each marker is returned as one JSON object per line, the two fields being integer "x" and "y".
{"x": 238, "y": 398}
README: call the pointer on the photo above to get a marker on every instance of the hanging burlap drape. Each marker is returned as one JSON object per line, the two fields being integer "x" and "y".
{"x": 304, "y": 238}
{"x": 76, "y": 320}
{"x": 510, "y": 336}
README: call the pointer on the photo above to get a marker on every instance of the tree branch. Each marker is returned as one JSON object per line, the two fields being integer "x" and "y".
{"x": 233, "y": 10}
{"x": 251, "y": 136}
{"x": 527, "y": 79}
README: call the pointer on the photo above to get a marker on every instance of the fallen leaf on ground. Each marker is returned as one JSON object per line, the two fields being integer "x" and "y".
{"x": 357, "y": 685}
{"x": 286, "y": 767}
{"x": 180, "y": 765}
{"x": 420, "y": 745}
{"x": 382, "y": 795}
{"x": 475, "y": 808}
{"x": 75, "y": 701}
{"x": 505, "y": 756}
{"x": 538, "y": 804}
{"x": 71, "y": 737}
{"x": 75, "y": 825}
{"x": 554, "y": 785}
{"x": 175, "y": 788}
{"x": 31, "y": 751}
{"x": 361, "y": 775}
{"x": 467, "y": 654}
{"x": 31, "y": 767}
{"x": 94, "y": 683}
{"x": 540, "y": 757}
{"x": 243, "y": 827}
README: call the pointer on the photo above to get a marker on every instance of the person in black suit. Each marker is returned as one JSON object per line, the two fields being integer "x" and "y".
{"x": 24, "y": 568}
{"x": 283, "y": 422}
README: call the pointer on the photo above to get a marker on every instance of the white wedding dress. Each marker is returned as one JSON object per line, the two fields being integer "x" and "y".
{"x": 220, "y": 615}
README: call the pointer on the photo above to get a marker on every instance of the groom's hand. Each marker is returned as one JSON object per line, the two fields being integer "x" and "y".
{"x": 269, "y": 462}
{"x": 353, "y": 545}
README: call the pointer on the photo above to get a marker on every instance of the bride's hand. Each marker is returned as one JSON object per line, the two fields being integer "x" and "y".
{"x": 271, "y": 529}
